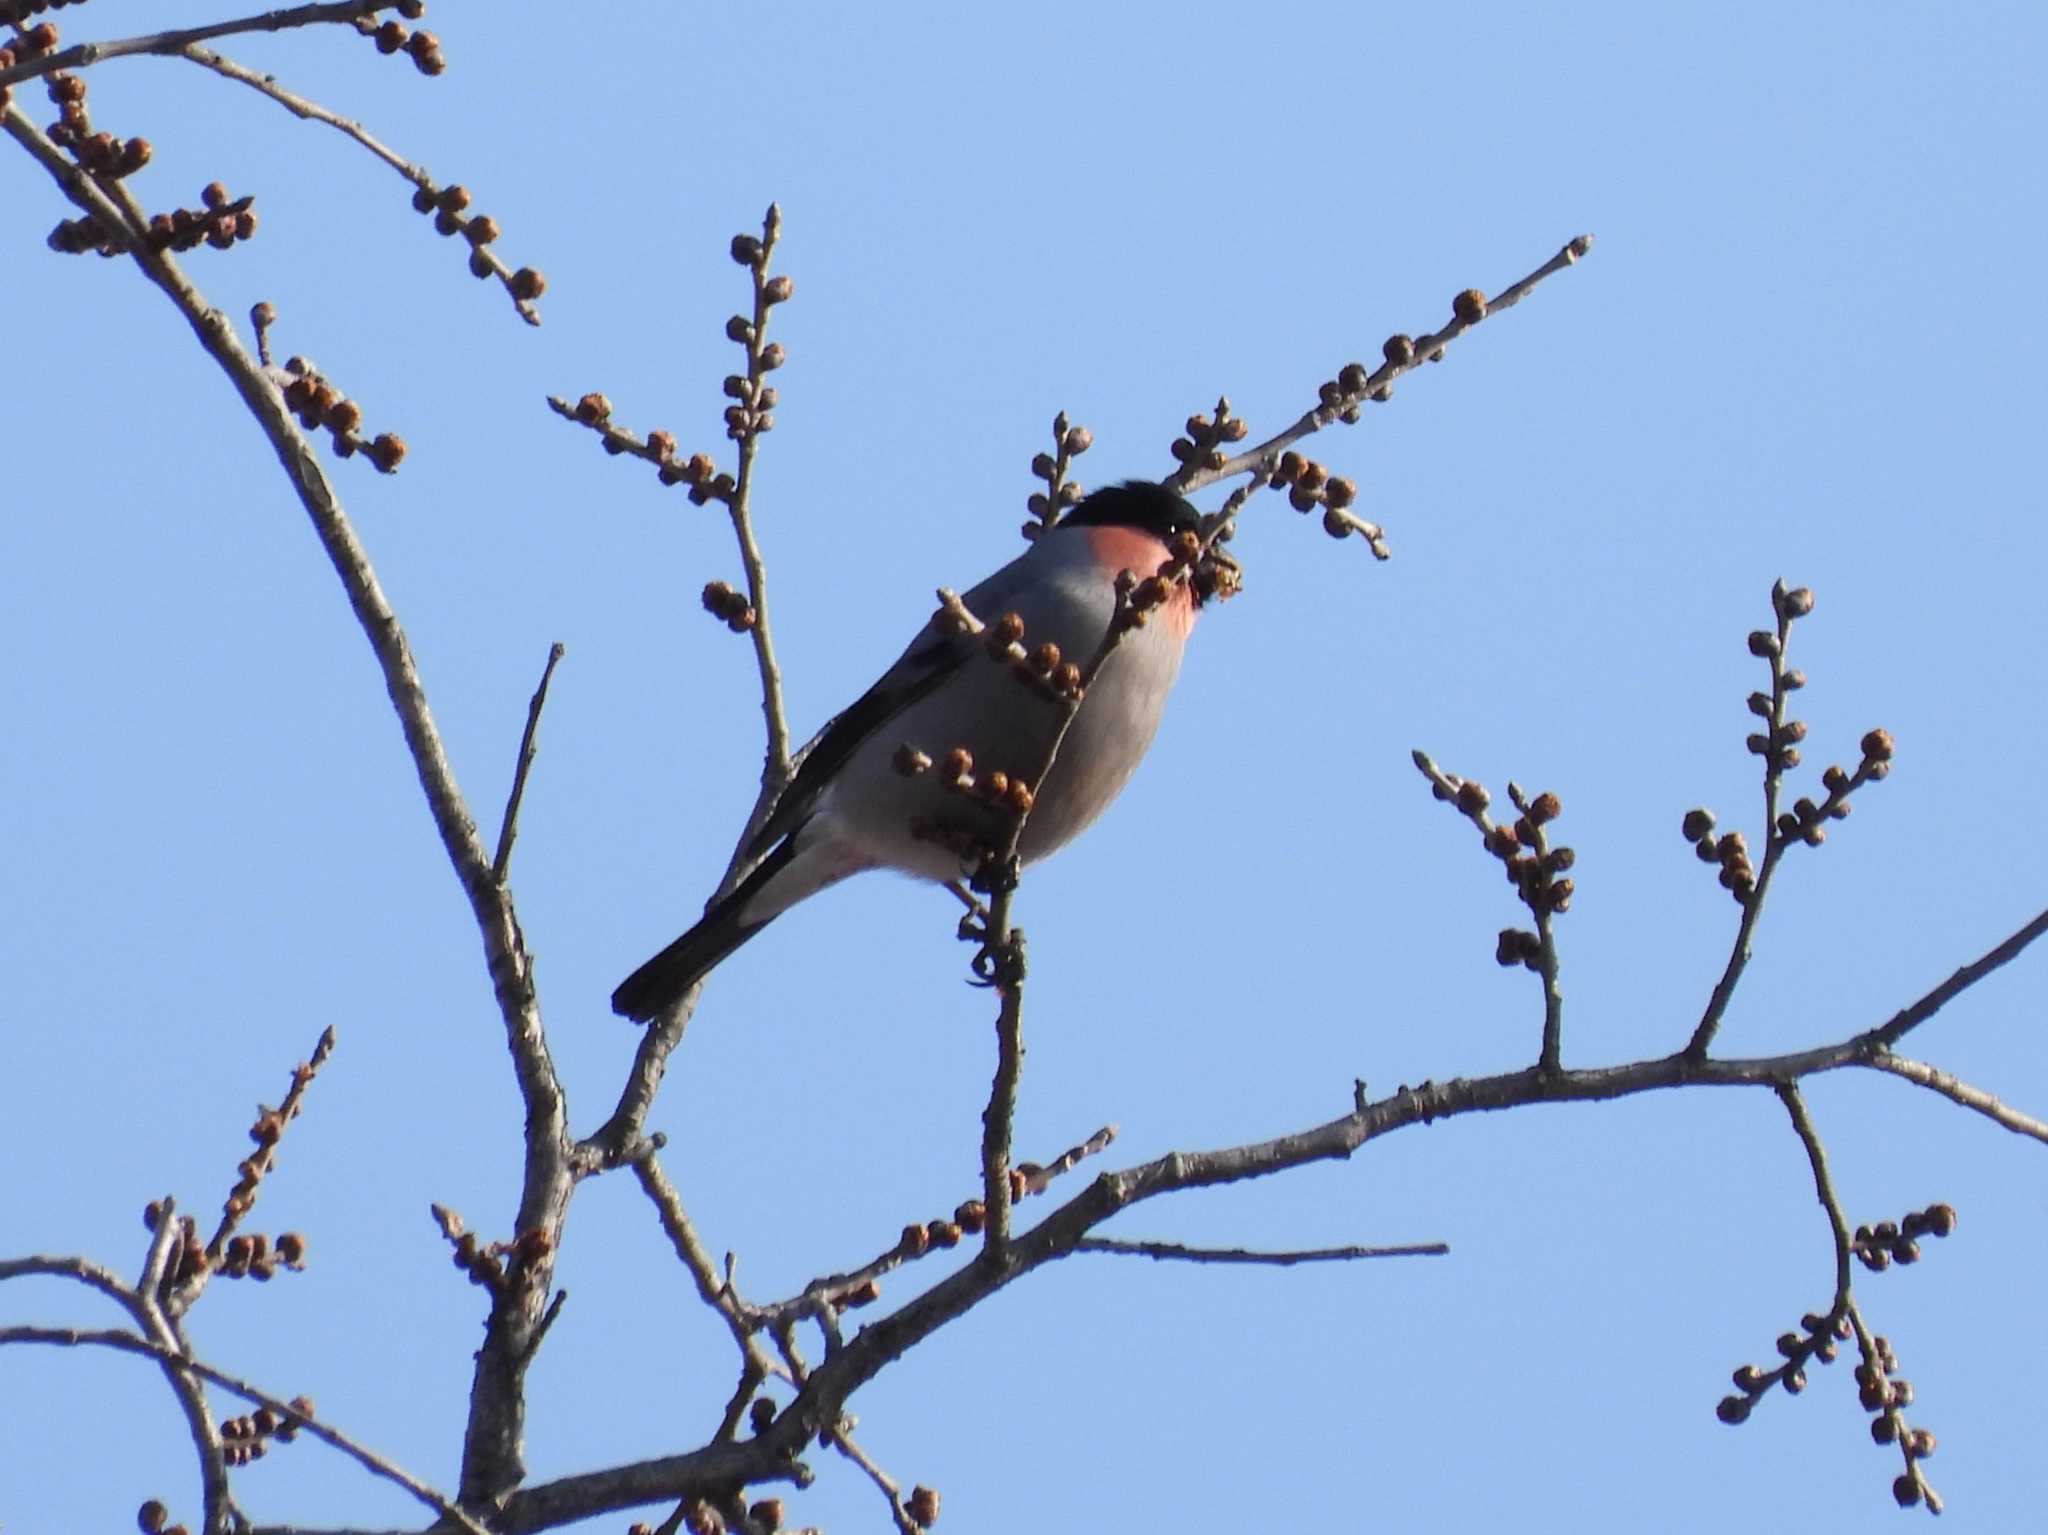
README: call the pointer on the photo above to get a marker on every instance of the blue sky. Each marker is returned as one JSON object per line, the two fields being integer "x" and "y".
{"x": 1803, "y": 347}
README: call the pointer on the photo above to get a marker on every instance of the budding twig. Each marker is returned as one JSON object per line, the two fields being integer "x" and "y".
{"x": 85, "y": 55}
{"x": 298, "y": 1413}
{"x": 509, "y": 829}
{"x": 1778, "y": 745}
{"x": 1471, "y": 308}
{"x": 1880, "y": 1393}
{"x": 523, "y": 286}
{"x": 899, "y": 1511}
{"x": 1538, "y": 873}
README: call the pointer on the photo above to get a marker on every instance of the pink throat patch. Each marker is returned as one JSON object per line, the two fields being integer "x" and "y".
{"x": 1142, "y": 555}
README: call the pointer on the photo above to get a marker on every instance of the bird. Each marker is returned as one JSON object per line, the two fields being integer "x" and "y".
{"x": 856, "y": 801}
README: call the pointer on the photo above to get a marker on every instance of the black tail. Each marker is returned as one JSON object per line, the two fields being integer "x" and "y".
{"x": 660, "y": 982}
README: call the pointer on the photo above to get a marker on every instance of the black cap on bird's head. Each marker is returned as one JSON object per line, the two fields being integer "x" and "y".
{"x": 1143, "y": 504}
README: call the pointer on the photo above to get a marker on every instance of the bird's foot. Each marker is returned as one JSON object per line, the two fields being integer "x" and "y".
{"x": 1000, "y": 965}
{"x": 995, "y": 875}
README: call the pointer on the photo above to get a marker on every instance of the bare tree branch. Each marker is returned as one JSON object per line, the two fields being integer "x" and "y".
{"x": 493, "y": 1461}
{"x": 173, "y": 1361}
{"x": 1472, "y": 307}
{"x": 510, "y": 826}
{"x": 1956, "y": 1090}
{"x": 1823, "y": 1188}
{"x": 1175, "y": 1251}
{"x": 522, "y": 286}
{"x": 84, "y": 55}
{"x": 1909, "y": 1018}
{"x": 161, "y": 1338}
{"x": 696, "y": 1258}
{"x": 887, "y": 1485}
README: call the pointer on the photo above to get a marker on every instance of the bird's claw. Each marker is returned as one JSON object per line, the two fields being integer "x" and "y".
{"x": 999, "y": 965}
{"x": 994, "y": 875}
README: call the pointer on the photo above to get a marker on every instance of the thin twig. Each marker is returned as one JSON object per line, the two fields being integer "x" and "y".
{"x": 1036, "y": 1178}
{"x": 85, "y": 55}
{"x": 1956, "y": 1090}
{"x": 1542, "y": 898}
{"x": 998, "y": 1118}
{"x": 161, "y": 1335}
{"x": 1179, "y": 1252}
{"x": 696, "y": 1258}
{"x": 890, "y": 1488}
{"x": 261, "y": 1162}
{"x": 81, "y": 1270}
{"x": 775, "y": 766}
{"x": 1966, "y": 976}
{"x": 493, "y": 1459}
{"x": 1845, "y": 1299}
{"x": 311, "y": 111}
{"x": 1545, "y": 917}
{"x": 609, "y": 1145}
{"x": 306, "y": 108}
{"x": 1823, "y": 1188}
{"x": 126, "y": 1342}
{"x": 1004, "y": 944}
{"x": 510, "y": 827}
{"x": 1774, "y": 851}
{"x": 771, "y": 1454}
{"x": 547, "y": 1320}
{"x": 1191, "y": 478}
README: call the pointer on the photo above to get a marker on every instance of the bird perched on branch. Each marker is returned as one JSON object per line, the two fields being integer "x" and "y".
{"x": 926, "y": 771}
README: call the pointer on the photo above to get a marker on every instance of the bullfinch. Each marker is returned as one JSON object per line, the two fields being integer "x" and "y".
{"x": 850, "y": 807}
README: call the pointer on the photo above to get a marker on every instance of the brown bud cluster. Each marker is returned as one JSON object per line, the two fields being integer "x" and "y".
{"x": 486, "y": 1263}
{"x": 1738, "y": 874}
{"x": 1885, "y": 1394}
{"x": 706, "y": 481}
{"x": 103, "y": 154}
{"x": 255, "y": 1256}
{"x": 729, "y": 607}
{"x": 1049, "y": 505}
{"x": 30, "y": 43}
{"x": 248, "y": 1437}
{"x": 1779, "y": 742}
{"x": 1878, "y": 1247}
{"x": 219, "y": 222}
{"x": 1202, "y": 446}
{"x": 753, "y": 409}
{"x": 393, "y": 36}
{"x": 74, "y": 237}
{"x": 1819, "y": 1340}
{"x": 1309, "y": 485}
{"x": 319, "y": 405}
{"x": 993, "y": 785}
{"x": 449, "y": 207}
{"x": 1537, "y": 870}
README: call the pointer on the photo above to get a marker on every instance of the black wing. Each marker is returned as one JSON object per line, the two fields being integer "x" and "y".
{"x": 923, "y": 667}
